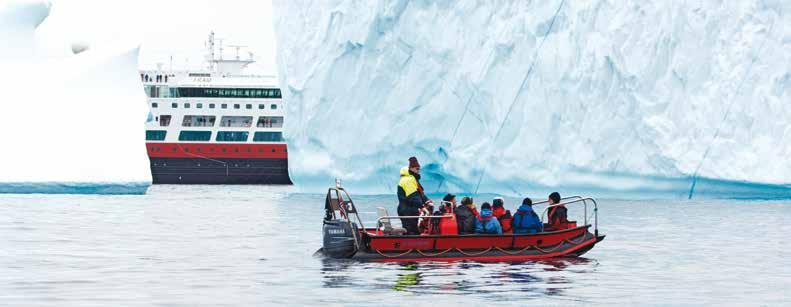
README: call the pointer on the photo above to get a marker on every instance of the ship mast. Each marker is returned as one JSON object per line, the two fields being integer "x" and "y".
{"x": 223, "y": 66}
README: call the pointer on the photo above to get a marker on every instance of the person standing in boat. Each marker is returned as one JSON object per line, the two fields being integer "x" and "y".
{"x": 411, "y": 198}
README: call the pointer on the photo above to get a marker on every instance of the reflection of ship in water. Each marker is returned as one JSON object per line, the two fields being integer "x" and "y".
{"x": 495, "y": 280}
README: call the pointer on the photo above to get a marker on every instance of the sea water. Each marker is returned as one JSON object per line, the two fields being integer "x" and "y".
{"x": 226, "y": 245}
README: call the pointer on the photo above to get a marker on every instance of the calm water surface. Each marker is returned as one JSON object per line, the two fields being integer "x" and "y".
{"x": 208, "y": 245}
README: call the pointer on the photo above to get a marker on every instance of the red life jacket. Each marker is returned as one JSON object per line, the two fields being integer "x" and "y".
{"x": 505, "y": 224}
{"x": 498, "y": 212}
{"x": 448, "y": 225}
{"x": 556, "y": 215}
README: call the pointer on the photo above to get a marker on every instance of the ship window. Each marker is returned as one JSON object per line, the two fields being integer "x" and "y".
{"x": 164, "y": 120}
{"x": 205, "y": 92}
{"x": 249, "y": 106}
{"x": 268, "y": 137}
{"x": 273, "y": 107}
{"x": 236, "y": 121}
{"x": 195, "y": 136}
{"x": 155, "y": 135}
{"x": 231, "y": 136}
{"x": 174, "y": 105}
{"x": 224, "y": 106}
{"x": 198, "y": 121}
{"x": 199, "y": 105}
{"x": 154, "y": 91}
{"x": 186, "y": 105}
{"x": 236, "y": 106}
{"x": 270, "y": 122}
{"x": 261, "y": 106}
{"x": 211, "y": 106}
{"x": 154, "y": 105}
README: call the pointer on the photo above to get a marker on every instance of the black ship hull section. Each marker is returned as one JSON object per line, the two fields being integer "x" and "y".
{"x": 219, "y": 171}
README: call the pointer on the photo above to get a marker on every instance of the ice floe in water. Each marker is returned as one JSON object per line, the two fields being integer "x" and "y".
{"x": 70, "y": 116}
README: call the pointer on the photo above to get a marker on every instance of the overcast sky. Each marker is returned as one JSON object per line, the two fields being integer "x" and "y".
{"x": 175, "y": 28}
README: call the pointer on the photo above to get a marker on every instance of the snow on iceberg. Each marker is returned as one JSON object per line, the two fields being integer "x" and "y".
{"x": 514, "y": 96}
{"x": 67, "y": 117}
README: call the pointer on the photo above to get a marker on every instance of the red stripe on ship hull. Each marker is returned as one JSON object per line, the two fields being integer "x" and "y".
{"x": 217, "y": 150}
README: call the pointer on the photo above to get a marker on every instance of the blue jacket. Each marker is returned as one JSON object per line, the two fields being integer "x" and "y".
{"x": 526, "y": 221}
{"x": 487, "y": 223}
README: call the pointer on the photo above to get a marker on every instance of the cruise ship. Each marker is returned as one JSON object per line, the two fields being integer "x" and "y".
{"x": 215, "y": 126}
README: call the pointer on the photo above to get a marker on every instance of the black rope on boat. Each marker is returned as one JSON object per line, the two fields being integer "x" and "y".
{"x": 434, "y": 254}
{"x": 392, "y": 256}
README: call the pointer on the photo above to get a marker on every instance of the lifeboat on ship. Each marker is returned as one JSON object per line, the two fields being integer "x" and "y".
{"x": 347, "y": 237}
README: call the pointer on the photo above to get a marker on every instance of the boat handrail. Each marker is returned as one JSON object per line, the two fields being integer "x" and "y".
{"x": 562, "y": 199}
{"x": 379, "y": 223}
{"x": 584, "y": 201}
{"x": 349, "y": 207}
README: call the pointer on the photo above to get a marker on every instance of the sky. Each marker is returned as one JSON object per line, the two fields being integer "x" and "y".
{"x": 176, "y": 28}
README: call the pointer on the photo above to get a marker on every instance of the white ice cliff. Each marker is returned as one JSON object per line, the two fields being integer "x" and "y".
{"x": 514, "y": 96}
{"x": 67, "y": 117}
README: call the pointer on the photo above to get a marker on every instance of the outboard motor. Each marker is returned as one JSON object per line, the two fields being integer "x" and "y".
{"x": 341, "y": 235}
{"x": 339, "y": 239}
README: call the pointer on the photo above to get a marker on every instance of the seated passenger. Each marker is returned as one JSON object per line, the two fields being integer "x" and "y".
{"x": 502, "y": 215}
{"x": 448, "y": 225}
{"x": 526, "y": 220}
{"x": 465, "y": 217}
{"x": 498, "y": 208}
{"x": 487, "y": 223}
{"x": 506, "y": 221}
{"x": 558, "y": 214}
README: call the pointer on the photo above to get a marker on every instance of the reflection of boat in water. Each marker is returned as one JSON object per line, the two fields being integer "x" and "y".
{"x": 346, "y": 237}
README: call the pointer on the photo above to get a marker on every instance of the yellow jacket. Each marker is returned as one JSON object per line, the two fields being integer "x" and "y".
{"x": 407, "y": 182}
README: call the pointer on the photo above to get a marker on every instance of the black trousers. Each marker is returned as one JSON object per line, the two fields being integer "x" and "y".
{"x": 411, "y": 226}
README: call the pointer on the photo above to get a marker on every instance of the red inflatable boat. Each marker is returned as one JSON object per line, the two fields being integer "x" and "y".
{"x": 345, "y": 236}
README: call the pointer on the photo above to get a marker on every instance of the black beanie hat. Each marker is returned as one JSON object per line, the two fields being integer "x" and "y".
{"x": 486, "y": 206}
{"x": 527, "y": 201}
{"x": 449, "y": 197}
{"x": 497, "y": 203}
{"x": 555, "y": 197}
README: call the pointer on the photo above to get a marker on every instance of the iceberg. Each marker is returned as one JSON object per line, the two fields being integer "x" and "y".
{"x": 71, "y": 117}
{"x": 517, "y": 96}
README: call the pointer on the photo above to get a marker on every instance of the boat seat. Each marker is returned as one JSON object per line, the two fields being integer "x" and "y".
{"x": 388, "y": 228}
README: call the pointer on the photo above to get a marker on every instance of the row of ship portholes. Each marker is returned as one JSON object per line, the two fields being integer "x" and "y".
{"x": 208, "y": 164}
{"x": 224, "y": 150}
{"x": 238, "y": 106}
